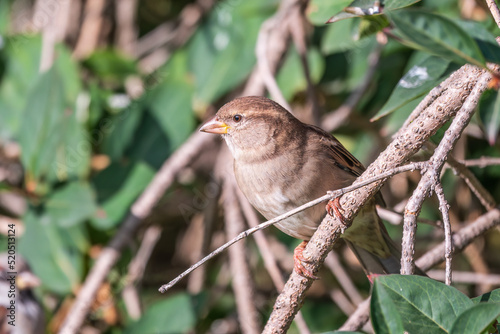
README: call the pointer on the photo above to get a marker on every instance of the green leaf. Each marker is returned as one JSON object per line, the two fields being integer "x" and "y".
{"x": 170, "y": 102}
{"x": 173, "y": 315}
{"x": 476, "y": 319}
{"x": 492, "y": 296}
{"x": 71, "y": 205}
{"x": 227, "y": 35}
{"x": 110, "y": 66}
{"x": 384, "y": 314}
{"x": 4, "y": 18}
{"x": 119, "y": 130}
{"x": 357, "y": 8}
{"x": 53, "y": 142}
{"x": 489, "y": 112}
{"x": 291, "y": 78}
{"x": 341, "y": 36}
{"x": 424, "y": 305}
{"x": 22, "y": 54}
{"x": 484, "y": 39}
{"x": 419, "y": 80}
{"x": 114, "y": 208}
{"x": 319, "y": 11}
{"x": 396, "y": 4}
{"x": 52, "y": 254}
{"x": 437, "y": 35}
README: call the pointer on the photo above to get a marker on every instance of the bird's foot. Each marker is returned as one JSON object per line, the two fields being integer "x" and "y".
{"x": 334, "y": 208}
{"x": 298, "y": 259}
{"x": 371, "y": 277}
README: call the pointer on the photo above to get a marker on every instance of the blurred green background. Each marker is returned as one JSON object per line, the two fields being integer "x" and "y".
{"x": 130, "y": 82}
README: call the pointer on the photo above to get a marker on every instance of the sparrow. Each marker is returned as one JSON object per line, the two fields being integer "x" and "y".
{"x": 281, "y": 163}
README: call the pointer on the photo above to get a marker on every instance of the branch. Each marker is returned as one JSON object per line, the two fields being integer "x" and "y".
{"x": 495, "y": 12}
{"x": 444, "y": 208}
{"x": 241, "y": 277}
{"x": 139, "y": 210}
{"x": 330, "y": 195}
{"x": 406, "y": 143}
{"x": 431, "y": 175}
{"x": 461, "y": 239}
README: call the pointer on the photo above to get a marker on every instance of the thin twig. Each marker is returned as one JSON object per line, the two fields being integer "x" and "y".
{"x": 91, "y": 28}
{"x": 398, "y": 152}
{"x": 298, "y": 32}
{"x": 467, "y": 277}
{"x": 444, "y": 208}
{"x": 171, "y": 35}
{"x": 139, "y": 210}
{"x": 136, "y": 270}
{"x": 126, "y": 31}
{"x": 396, "y": 218}
{"x": 332, "y": 261}
{"x": 358, "y": 318}
{"x": 482, "y": 162}
{"x": 461, "y": 239}
{"x": 329, "y": 196}
{"x": 336, "y": 118}
{"x": 241, "y": 277}
{"x": 268, "y": 255}
{"x": 263, "y": 61}
{"x": 475, "y": 186}
{"x": 495, "y": 12}
{"x": 431, "y": 176}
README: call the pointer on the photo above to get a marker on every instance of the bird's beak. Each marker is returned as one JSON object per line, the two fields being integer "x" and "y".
{"x": 214, "y": 126}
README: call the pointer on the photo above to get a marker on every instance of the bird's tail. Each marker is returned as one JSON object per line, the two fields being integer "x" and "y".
{"x": 375, "y": 250}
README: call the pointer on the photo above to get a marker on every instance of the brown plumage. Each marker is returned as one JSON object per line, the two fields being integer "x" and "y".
{"x": 281, "y": 163}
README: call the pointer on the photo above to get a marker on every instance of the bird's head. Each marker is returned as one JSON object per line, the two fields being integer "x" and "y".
{"x": 250, "y": 125}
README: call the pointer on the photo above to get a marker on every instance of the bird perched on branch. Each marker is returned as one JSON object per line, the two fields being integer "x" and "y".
{"x": 281, "y": 163}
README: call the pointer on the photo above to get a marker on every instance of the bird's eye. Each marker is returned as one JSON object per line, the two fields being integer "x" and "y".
{"x": 237, "y": 117}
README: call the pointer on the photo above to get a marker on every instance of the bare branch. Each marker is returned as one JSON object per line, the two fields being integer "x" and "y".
{"x": 431, "y": 175}
{"x": 136, "y": 271}
{"x": 91, "y": 28}
{"x": 241, "y": 282}
{"x": 332, "y": 261}
{"x": 408, "y": 141}
{"x": 139, "y": 210}
{"x": 461, "y": 239}
{"x": 470, "y": 179}
{"x": 329, "y": 196}
{"x": 466, "y": 277}
{"x": 495, "y": 12}
{"x": 444, "y": 208}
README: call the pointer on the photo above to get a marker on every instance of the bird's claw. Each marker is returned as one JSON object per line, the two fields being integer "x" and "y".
{"x": 298, "y": 259}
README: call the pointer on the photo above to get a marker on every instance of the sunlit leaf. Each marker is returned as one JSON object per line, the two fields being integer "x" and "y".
{"x": 437, "y": 35}
{"x": 420, "y": 79}
{"x": 227, "y": 35}
{"x": 319, "y": 11}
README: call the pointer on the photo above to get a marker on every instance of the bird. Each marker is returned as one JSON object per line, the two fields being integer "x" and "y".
{"x": 281, "y": 163}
